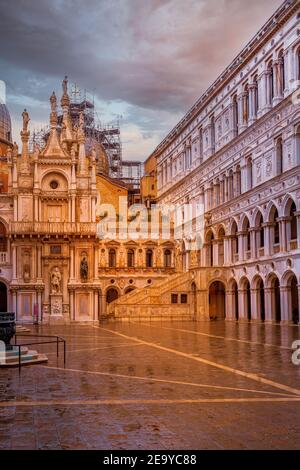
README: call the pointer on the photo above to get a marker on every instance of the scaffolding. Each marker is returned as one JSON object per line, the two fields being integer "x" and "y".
{"x": 108, "y": 135}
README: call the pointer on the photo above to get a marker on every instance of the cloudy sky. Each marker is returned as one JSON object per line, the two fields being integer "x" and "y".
{"x": 146, "y": 60}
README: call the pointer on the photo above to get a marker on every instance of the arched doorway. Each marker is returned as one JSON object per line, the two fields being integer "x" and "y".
{"x": 261, "y": 300}
{"x": 217, "y": 310}
{"x": 3, "y": 297}
{"x": 294, "y": 300}
{"x": 277, "y": 300}
{"x": 236, "y": 300}
{"x": 111, "y": 295}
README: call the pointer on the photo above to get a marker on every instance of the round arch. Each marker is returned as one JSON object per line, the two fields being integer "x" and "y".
{"x": 216, "y": 300}
{"x": 272, "y": 284}
{"x": 291, "y": 298}
{"x": 234, "y": 298}
{"x": 111, "y": 294}
{"x": 258, "y": 287}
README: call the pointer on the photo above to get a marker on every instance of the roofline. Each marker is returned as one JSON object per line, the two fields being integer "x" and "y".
{"x": 281, "y": 14}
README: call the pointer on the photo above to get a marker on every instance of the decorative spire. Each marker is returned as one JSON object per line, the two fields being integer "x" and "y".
{"x": 25, "y": 139}
{"x": 81, "y": 141}
{"x": 53, "y": 114}
{"x": 65, "y": 100}
{"x": 67, "y": 132}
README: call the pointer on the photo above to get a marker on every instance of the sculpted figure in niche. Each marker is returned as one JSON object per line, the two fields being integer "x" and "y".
{"x": 26, "y": 273}
{"x": 56, "y": 281}
{"x": 84, "y": 269}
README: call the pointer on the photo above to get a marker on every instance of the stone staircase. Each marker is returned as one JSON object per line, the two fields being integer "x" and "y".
{"x": 154, "y": 302}
{"x": 28, "y": 357}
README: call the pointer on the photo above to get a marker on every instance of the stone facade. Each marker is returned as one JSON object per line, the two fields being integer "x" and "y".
{"x": 237, "y": 154}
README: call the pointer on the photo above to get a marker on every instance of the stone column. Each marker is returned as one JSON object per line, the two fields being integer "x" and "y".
{"x": 230, "y": 305}
{"x": 242, "y": 297}
{"x": 269, "y": 307}
{"x": 253, "y": 232}
{"x": 282, "y": 230}
{"x": 252, "y": 113}
{"x": 254, "y": 304}
{"x": 96, "y": 261}
{"x": 268, "y": 105}
{"x": 285, "y": 303}
{"x": 277, "y": 82}
{"x": 96, "y": 303}
{"x": 72, "y": 305}
{"x": 241, "y": 245}
{"x": 241, "y": 113}
{"x": 267, "y": 236}
{"x": 14, "y": 262}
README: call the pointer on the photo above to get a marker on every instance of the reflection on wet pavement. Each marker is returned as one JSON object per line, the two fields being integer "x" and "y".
{"x": 157, "y": 386}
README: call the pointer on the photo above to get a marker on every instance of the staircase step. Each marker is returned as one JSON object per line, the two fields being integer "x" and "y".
{"x": 29, "y": 357}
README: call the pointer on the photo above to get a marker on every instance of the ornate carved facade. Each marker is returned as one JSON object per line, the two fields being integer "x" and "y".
{"x": 53, "y": 265}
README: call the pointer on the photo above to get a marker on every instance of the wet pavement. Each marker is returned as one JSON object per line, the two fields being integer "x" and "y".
{"x": 157, "y": 386}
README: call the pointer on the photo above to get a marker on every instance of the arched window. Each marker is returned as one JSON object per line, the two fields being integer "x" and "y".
{"x": 213, "y": 135}
{"x": 112, "y": 258}
{"x": 130, "y": 259}
{"x": 167, "y": 258}
{"x": 201, "y": 144}
{"x": 256, "y": 96}
{"x": 246, "y": 105}
{"x": 260, "y": 236}
{"x": 294, "y": 229}
{"x": 238, "y": 181}
{"x": 149, "y": 258}
{"x": 249, "y": 173}
{"x": 3, "y": 239}
{"x": 235, "y": 115}
{"x": 279, "y": 155}
{"x": 230, "y": 185}
{"x": 248, "y": 236}
{"x": 282, "y": 73}
{"x": 234, "y": 243}
{"x": 275, "y": 232}
{"x": 271, "y": 82}
{"x": 221, "y": 237}
{"x": 210, "y": 249}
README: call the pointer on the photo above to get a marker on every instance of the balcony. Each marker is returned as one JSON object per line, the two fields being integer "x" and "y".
{"x": 53, "y": 228}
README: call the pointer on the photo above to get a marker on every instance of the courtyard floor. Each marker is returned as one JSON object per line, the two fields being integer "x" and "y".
{"x": 157, "y": 386}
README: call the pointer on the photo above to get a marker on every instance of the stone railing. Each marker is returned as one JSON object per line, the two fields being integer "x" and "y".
{"x": 85, "y": 228}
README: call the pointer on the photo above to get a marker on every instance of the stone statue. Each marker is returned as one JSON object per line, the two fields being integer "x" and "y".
{"x": 55, "y": 281}
{"x": 26, "y": 120}
{"x": 53, "y": 102}
{"x": 84, "y": 269}
{"x": 65, "y": 85}
{"x": 15, "y": 150}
